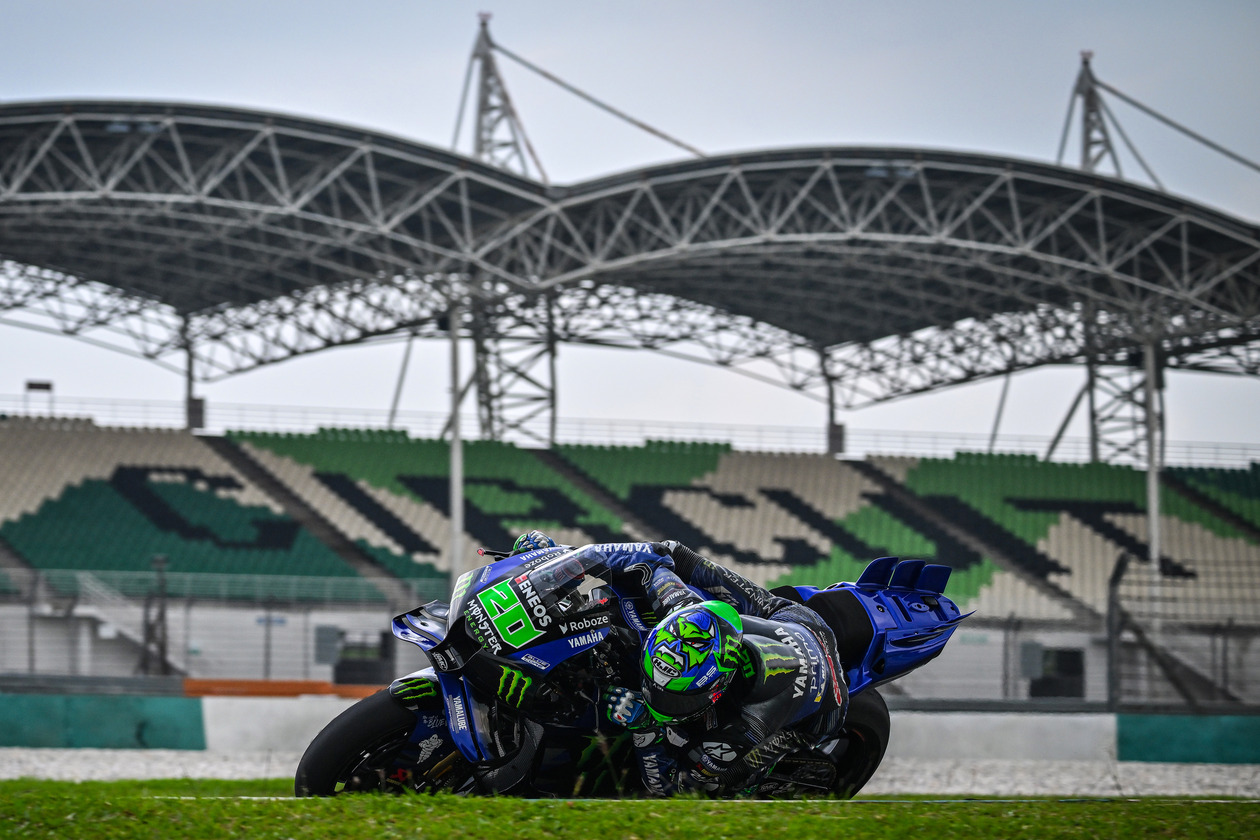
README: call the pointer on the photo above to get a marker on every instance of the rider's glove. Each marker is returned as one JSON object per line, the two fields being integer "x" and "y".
{"x": 532, "y": 541}
{"x": 626, "y": 708}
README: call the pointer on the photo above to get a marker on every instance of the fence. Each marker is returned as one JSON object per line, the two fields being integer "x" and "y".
{"x": 1164, "y": 643}
{"x": 1174, "y": 639}
{"x": 858, "y": 442}
{"x": 116, "y": 624}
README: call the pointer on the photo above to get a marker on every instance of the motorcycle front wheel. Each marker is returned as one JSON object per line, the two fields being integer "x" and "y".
{"x": 368, "y": 748}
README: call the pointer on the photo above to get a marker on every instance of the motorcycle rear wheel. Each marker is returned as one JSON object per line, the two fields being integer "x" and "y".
{"x": 366, "y": 748}
{"x": 866, "y": 727}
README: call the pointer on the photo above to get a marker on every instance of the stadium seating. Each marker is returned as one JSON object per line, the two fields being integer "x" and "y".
{"x": 80, "y": 497}
{"x": 1068, "y": 523}
{"x": 1024, "y": 537}
{"x": 775, "y": 517}
{"x": 1238, "y": 491}
{"x": 393, "y": 493}
{"x": 810, "y": 519}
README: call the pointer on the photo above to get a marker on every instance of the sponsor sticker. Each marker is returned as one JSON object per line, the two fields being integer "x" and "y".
{"x": 482, "y": 628}
{"x": 428, "y": 746}
{"x": 458, "y": 715}
{"x": 644, "y": 739}
{"x": 513, "y": 685}
{"x": 719, "y": 751}
{"x": 540, "y": 664}
{"x": 633, "y": 618}
{"x": 461, "y": 585}
{"x": 585, "y": 623}
{"x": 802, "y": 676}
{"x": 585, "y": 640}
{"x": 666, "y": 665}
{"x": 510, "y": 617}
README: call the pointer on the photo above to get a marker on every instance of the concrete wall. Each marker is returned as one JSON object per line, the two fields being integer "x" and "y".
{"x": 101, "y": 721}
{"x": 286, "y": 724}
{"x": 1060, "y": 737}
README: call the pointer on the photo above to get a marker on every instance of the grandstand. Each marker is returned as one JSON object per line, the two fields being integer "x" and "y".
{"x": 270, "y": 539}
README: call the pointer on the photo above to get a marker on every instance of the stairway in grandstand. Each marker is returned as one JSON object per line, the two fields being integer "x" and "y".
{"x": 955, "y": 520}
{"x": 634, "y": 527}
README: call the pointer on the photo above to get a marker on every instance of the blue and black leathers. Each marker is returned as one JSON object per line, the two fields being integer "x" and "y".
{"x": 789, "y": 693}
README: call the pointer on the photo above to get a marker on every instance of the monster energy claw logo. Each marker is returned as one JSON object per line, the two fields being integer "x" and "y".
{"x": 513, "y": 684}
{"x": 461, "y": 585}
{"x": 418, "y": 689}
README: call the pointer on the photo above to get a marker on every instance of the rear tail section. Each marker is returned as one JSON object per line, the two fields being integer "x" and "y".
{"x": 894, "y": 619}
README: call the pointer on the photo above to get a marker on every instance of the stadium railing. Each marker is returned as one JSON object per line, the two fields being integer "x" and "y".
{"x": 859, "y": 442}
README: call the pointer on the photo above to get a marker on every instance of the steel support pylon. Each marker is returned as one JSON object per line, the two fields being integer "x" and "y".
{"x": 1117, "y": 418}
{"x": 1119, "y": 414}
{"x": 1096, "y": 146}
{"x": 498, "y": 136}
{"x": 516, "y": 376}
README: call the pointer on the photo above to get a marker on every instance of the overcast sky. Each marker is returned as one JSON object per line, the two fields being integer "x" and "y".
{"x": 723, "y": 76}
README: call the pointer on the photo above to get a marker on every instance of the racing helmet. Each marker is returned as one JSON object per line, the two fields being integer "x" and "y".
{"x": 690, "y": 659}
{"x": 532, "y": 541}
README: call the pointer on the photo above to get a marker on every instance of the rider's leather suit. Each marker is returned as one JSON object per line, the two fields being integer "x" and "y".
{"x": 789, "y": 693}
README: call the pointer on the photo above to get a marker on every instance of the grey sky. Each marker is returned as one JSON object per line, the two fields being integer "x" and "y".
{"x": 985, "y": 76}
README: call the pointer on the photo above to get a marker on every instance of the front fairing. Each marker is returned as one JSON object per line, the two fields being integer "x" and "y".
{"x": 527, "y": 609}
{"x": 509, "y": 624}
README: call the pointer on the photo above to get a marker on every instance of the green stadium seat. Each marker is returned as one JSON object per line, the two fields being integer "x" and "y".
{"x": 391, "y": 492}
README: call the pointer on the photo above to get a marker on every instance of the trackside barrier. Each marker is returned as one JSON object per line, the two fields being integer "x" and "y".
{"x": 241, "y": 723}
{"x": 275, "y": 688}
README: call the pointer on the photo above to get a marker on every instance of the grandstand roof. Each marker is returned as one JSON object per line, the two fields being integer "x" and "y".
{"x": 255, "y": 237}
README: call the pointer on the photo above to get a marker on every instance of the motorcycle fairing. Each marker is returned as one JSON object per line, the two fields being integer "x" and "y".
{"x": 554, "y": 652}
{"x": 424, "y": 626}
{"x": 465, "y": 717}
{"x": 413, "y": 690}
{"x": 910, "y": 619}
{"x": 911, "y": 623}
{"x": 474, "y": 581}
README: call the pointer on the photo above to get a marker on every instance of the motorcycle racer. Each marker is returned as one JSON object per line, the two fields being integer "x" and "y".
{"x": 729, "y": 684}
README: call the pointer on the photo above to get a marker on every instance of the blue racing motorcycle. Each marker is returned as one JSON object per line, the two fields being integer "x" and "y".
{"x": 524, "y": 650}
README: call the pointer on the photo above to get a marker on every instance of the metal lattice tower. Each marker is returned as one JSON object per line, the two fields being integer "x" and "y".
{"x": 499, "y": 137}
{"x": 1096, "y": 146}
{"x": 515, "y": 375}
{"x": 503, "y": 369}
{"x": 1119, "y": 425}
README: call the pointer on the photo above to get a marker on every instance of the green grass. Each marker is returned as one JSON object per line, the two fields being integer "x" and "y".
{"x": 194, "y": 809}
